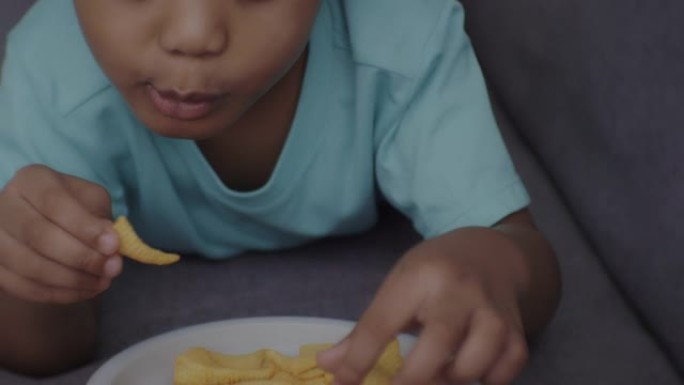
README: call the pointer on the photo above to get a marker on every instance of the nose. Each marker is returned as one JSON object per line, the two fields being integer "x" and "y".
{"x": 192, "y": 29}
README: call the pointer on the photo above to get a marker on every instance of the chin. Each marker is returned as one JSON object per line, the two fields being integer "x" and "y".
{"x": 183, "y": 129}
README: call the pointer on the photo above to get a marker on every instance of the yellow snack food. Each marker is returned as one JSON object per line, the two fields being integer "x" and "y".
{"x": 133, "y": 247}
{"x": 199, "y": 366}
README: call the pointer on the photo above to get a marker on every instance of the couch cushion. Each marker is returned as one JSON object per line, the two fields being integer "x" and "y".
{"x": 597, "y": 87}
{"x": 595, "y": 337}
{"x": 10, "y": 11}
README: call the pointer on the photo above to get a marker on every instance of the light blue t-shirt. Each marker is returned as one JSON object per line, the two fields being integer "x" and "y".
{"x": 393, "y": 102}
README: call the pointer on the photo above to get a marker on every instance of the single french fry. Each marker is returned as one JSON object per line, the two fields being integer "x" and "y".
{"x": 133, "y": 247}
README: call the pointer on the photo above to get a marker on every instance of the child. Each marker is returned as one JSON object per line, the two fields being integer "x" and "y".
{"x": 223, "y": 126}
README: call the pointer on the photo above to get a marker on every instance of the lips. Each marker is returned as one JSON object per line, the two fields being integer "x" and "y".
{"x": 183, "y": 106}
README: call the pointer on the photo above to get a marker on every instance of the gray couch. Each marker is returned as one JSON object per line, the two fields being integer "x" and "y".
{"x": 588, "y": 96}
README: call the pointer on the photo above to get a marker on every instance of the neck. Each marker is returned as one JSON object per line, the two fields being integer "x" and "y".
{"x": 245, "y": 155}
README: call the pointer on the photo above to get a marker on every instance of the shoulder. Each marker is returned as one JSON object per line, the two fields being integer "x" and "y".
{"x": 50, "y": 49}
{"x": 399, "y": 36}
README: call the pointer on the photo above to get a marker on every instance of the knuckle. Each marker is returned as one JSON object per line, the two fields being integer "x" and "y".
{"x": 51, "y": 201}
{"x": 440, "y": 279}
{"x": 29, "y": 170}
{"x": 33, "y": 232}
{"x": 432, "y": 268}
{"x": 30, "y": 173}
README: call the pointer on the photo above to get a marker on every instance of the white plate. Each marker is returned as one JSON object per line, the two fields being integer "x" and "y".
{"x": 151, "y": 362}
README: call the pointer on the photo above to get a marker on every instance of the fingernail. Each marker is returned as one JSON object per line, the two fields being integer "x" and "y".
{"x": 113, "y": 266}
{"x": 107, "y": 243}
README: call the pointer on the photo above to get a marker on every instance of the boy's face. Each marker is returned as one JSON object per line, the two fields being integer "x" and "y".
{"x": 191, "y": 68}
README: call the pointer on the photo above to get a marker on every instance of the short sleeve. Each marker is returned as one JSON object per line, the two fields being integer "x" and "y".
{"x": 32, "y": 131}
{"x": 444, "y": 163}
{"x": 25, "y": 124}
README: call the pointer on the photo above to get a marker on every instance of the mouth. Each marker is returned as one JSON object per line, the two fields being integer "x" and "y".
{"x": 182, "y": 105}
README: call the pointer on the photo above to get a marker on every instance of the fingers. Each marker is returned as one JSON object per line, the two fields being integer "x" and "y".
{"x": 26, "y": 263}
{"x": 57, "y": 243}
{"x": 47, "y": 239}
{"x": 51, "y": 196}
{"x": 481, "y": 347}
{"x": 467, "y": 334}
{"x": 487, "y": 349}
{"x": 432, "y": 350}
{"x": 34, "y": 292}
{"x": 492, "y": 351}
{"x": 387, "y": 315}
{"x": 510, "y": 363}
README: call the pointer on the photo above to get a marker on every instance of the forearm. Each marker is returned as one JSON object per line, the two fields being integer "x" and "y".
{"x": 43, "y": 339}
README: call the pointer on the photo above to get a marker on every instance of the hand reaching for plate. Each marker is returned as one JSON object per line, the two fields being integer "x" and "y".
{"x": 467, "y": 309}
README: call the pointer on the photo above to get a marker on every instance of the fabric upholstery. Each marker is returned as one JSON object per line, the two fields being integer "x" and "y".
{"x": 596, "y": 88}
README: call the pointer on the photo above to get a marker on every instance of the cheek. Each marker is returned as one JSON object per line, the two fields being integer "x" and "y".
{"x": 258, "y": 76}
{"x": 262, "y": 55}
{"x": 118, "y": 52}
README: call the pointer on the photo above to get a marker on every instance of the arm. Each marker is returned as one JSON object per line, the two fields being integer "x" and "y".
{"x": 57, "y": 254}
{"x": 474, "y": 292}
{"x": 41, "y": 339}
{"x": 52, "y": 264}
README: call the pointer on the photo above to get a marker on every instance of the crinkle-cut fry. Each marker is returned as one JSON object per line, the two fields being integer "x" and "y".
{"x": 390, "y": 360}
{"x": 313, "y": 349}
{"x": 133, "y": 247}
{"x": 199, "y": 366}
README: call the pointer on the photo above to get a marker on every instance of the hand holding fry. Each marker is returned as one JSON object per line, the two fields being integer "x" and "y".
{"x": 56, "y": 240}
